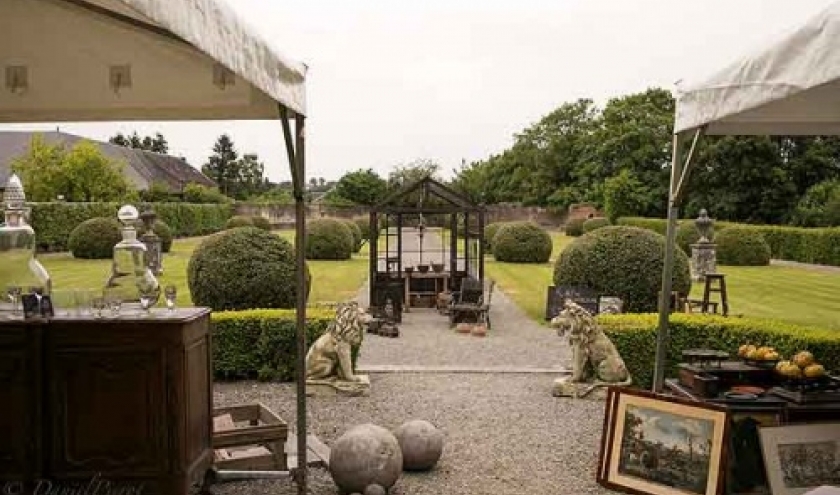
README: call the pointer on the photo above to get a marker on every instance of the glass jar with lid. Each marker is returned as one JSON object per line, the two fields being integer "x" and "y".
{"x": 130, "y": 278}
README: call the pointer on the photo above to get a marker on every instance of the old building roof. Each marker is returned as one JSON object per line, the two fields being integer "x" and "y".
{"x": 143, "y": 168}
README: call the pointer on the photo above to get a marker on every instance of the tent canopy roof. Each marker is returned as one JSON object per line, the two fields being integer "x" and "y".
{"x": 108, "y": 60}
{"x": 789, "y": 88}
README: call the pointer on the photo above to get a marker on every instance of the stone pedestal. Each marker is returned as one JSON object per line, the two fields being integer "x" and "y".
{"x": 326, "y": 388}
{"x": 703, "y": 260}
{"x": 564, "y": 387}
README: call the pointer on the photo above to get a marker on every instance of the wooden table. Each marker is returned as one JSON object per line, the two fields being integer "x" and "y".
{"x": 442, "y": 277}
{"x": 121, "y": 402}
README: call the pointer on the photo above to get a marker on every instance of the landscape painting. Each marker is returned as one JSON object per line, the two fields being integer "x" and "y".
{"x": 800, "y": 458}
{"x": 666, "y": 448}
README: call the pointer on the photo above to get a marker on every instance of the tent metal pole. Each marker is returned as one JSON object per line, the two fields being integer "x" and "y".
{"x": 667, "y": 270}
{"x": 301, "y": 473}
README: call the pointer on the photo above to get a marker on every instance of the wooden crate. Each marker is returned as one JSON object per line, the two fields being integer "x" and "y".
{"x": 249, "y": 437}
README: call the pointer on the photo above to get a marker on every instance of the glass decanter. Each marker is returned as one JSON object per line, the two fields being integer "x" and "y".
{"x": 130, "y": 276}
{"x": 20, "y": 270}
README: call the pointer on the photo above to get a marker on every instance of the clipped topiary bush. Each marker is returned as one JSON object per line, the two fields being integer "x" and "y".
{"x": 490, "y": 232}
{"x": 94, "y": 239}
{"x": 595, "y": 224}
{"x": 574, "y": 227}
{"x": 687, "y": 234}
{"x": 357, "y": 234}
{"x": 364, "y": 227}
{"x": 522, "y": 242}
{"x": 163, "y": 231}
{"x": 261, "y": 223}
{"x": 328, "y": 239}
{"x": 742, "y": 246}
{"x": 243, "y": 268}
{"x": 239, "y": 221}
{"x": 624, "y": 262}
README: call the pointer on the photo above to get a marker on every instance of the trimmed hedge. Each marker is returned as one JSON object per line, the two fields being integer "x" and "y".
{"x": 687, "y": 234}
{"x": 239, "y": 221}
{"x": 741, "y": 246}
{"x": 574, "y": 227}
{"x": 356, "y": 231}
{"x": 490, "y": 231}
{"x": 328, "y": 239}
{"x": 53, "y": 222}
{"x": 522, "y": 242}
{"x": 163, "y": 231}
{"x": 621, "y": 261}
{"x": 635, "y": 338}
{"x": 261, "y": 223}
{"x": 260, "y": 343}
{"x": 595, "y": 224}
{"x": 95, "y": 239}
{"x": 364, "y": 227}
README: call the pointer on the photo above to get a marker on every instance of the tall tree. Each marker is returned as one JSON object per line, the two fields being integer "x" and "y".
{"x": 364, "y": 187}
{"x": 156, "y": 143}
{"x": 413, "y": 171}
{"x": 223, "y": 164}
{"x": 250, "y": 180}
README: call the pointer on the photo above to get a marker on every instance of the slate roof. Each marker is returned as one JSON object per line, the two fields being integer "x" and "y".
{"x": 142, "y": 167}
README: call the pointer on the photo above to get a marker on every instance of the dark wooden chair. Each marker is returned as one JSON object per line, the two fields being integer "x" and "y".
{"x": 470, "y": 303}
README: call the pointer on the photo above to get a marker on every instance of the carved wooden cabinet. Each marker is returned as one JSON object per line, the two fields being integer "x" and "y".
{"x": 121, "y": 402}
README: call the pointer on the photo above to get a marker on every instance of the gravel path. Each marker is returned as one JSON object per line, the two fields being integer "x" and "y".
{"x": 505, "y": 434}
{"x": 807, "y": 266}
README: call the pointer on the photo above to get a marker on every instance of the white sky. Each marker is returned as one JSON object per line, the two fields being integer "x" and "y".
{"x": 391, "y": 81}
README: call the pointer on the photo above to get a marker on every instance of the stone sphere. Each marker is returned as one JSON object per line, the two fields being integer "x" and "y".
{"x": 375, "y": 490}
{"x": 365, "y": 455}
{"x": 421, "y": 444}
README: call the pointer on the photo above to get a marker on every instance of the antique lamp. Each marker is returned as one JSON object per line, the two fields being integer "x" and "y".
{"x": 131, "y": 279}
{"x": 154, "y": 252}
{"x": 20, "y": 271}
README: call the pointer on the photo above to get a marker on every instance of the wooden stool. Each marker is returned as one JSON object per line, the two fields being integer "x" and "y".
{"x": 720, "y": 288}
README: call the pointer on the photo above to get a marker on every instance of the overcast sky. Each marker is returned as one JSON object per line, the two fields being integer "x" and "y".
{"x": 392, "y": 81}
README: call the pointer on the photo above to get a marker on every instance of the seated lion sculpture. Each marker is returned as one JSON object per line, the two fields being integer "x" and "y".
{"x": 595, "y": 359}
{"x": 328, "y": 361}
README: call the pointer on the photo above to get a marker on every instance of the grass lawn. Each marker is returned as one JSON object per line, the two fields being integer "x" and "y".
{"x": 797, "y": 295}
{"x": 331, "y": 280}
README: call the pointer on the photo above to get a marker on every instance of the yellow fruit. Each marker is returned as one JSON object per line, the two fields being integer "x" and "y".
{"x": 753, "y": 354}
{"x": 814, "y": 371}
{"x": 792, "y": 371}
{"x": 742, "y": 351}
{"x": 803, "y": 359}
{"x": 781, "y": 365}
{"x": 771, "y": 356}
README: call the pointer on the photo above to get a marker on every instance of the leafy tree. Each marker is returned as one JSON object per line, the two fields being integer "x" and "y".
{"x": 197, "y": 193}
{"x": 413, "y": 171}
{"x": 156, "y": 143}
{"x": 624, "y": 195}
{"x": 364, "y": 187}
{"x": 223, "y": 165}
{"x": 820, "y": 206}
{"x": 82, "y": 174}
{"x": 249, "y": 180}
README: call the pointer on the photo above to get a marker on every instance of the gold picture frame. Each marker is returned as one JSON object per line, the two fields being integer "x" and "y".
{"x": 661, "y": 445}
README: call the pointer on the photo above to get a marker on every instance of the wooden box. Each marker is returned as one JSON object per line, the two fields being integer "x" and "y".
{"x": 249, "y": 437}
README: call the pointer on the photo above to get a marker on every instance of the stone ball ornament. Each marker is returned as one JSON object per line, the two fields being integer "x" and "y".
{"x": 365, "y": 455}
{"x": 128, "y": 214}
{"x": 421, "y": 444}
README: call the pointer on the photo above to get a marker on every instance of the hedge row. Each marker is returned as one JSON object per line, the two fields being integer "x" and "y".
{"x": 635, "y": 338}
{"x": 260, "y": 343}
{"x": 53, "y": 222}
{"x": 805, "y": 245}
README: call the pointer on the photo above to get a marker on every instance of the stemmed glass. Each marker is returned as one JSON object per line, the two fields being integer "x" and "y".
{"x": 113, "y": 301}
{"x": 13, "y": 293}
{"x": 99, "y": 305}
{"x": 147, "y": 299}
{"x": 170, "y": 293}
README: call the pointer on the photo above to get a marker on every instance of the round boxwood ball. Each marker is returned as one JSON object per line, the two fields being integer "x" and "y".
{"x": 595, "y": 224}
{"x": 357, "y": 234}
{"x": 94, "y": 239}
{"x": 742, "y": 246}
{"x": 421, "y": 444}
{"x": 574, "y": 227}
{"x": 163, "y": 231}
{"x": 621, "y": 261}
{"x": 243, "y": 268}
{"x": 328, "y": 239}
{"x": 261, "y": 223}
{"x": 364, "y": 226}
{"x": 365, "y": 455}
{"x": 522, "y": 242}
{"x": 490, "y": 232}
{"x": 239, "y": 221}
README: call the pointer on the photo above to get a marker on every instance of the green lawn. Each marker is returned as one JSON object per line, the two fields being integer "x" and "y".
{"x": 331, "y": 280}
{"x": 791, "y": 294}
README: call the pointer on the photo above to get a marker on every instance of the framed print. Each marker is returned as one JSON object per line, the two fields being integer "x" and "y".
{"x": 661, "y": 445}
{"x": 608, "y": 423}
{"x": 799, "y": 458}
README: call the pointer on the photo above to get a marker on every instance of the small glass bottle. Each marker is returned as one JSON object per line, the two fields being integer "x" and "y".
{"x": 20, "y": 270}
{"x": 130, "y": 277}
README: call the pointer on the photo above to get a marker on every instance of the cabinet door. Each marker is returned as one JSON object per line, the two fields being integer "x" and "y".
{"x": 20, "y": 388}
{"x": 108, "y": 410}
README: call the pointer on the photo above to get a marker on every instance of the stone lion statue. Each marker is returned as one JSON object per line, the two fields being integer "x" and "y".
{"x": 595, "y": 360}
{"x": 328, "y": 361}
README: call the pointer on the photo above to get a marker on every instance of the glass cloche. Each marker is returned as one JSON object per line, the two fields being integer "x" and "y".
{"x": 20, "y": 271}
{"x": 131, "y": 277}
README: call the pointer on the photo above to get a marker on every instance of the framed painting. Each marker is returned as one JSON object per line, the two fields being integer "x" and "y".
{"x": 609, "y": 403}
{"x": 801, "y": 457}
{"x": 662, "y": 445}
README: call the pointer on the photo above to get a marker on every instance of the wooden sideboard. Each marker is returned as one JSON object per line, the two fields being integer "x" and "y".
{"x": 123, "y": 404}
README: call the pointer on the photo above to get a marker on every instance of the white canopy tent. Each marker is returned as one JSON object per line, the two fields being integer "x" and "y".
{"x": 118, "y": 60}
{"x": 790, "y": 88}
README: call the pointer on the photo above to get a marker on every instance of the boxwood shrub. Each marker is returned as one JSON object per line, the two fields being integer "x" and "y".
{"x": 742, "y": 246}
{"x": 239, "y": 221}
{"x": 260, "y": 343}
{"x": 574, "y": 227}
{"x": 328, "y": 239}
{"x": 261, "y": 223}
{"x": 94, "y": 239}
{"x": 595, "y": 224}
{"x": 635, "y": 338}
{"x": 490, "y": 231}
{"x": 522, "y": 242}
{"x": 356, "y": 231}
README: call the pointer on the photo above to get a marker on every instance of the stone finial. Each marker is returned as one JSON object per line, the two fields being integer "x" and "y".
{"x": 14, "y": 197}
